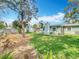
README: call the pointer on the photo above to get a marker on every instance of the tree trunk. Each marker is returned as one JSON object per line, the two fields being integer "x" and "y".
{"x": 23, "y": 31}
{"x": 22, "y": 24}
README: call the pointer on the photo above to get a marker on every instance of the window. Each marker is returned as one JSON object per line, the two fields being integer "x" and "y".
{"x": 69, "y": 28}
{"x": 54, "y": 29}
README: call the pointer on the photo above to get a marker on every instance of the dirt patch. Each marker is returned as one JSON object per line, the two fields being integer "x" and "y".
{"x": 17, "y": 44}
{"x": 14, "y": 39}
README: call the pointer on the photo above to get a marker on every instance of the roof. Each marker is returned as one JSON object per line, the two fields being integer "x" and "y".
{"x": 64, "y": 25}
{"x": 60, "y": 24}
{"x": 71, "y": 25}
{"x": 56, "y": 24}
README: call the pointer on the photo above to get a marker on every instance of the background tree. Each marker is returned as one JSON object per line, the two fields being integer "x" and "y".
{"x": 26, "y": 9}
{"x": 35, "y": 27}
{"x": 42, "y": 25}
{"x": 16, "y": 25}
{"x": 2, "y": 25}
{"x": 72, "y": 11}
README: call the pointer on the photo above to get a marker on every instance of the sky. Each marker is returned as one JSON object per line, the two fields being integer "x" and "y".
{"x": 49, "y": 10}
{"x": 50, "y": 7}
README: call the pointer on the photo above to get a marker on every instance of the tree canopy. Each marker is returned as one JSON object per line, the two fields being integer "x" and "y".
{"x": 26, "y": 9}
{"x": 72, "y": 10}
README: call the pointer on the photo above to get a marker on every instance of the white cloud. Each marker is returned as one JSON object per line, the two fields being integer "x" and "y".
{"x": 8, "y": 21}
{"x": 57, "y": 18}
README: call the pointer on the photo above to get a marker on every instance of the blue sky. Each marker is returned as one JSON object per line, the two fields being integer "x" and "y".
{"x": 48, "y": 9}
{"x": 51, "y": 11}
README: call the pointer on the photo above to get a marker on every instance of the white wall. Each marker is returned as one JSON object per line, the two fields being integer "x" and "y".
{"x": 74, "y": 30}
{"x": 58, "y": 30}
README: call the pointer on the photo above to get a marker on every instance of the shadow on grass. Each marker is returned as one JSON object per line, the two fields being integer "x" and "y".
{"x": 67, "y": 44}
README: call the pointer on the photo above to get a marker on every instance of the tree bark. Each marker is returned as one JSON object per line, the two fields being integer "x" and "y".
{"x": 23, "y": 31}
{"x": 22, "y": 23}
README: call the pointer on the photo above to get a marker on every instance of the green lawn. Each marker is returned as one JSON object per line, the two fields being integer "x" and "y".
{"x": 60, "y": 47}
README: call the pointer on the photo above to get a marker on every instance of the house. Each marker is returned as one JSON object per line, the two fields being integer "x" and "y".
{"x": 56, "y": 29}
{"x": 60, "y": 29}
{"x": 71, "y": 28}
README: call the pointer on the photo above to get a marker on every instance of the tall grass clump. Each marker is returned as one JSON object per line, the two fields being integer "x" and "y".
{"x": 6, "y": 56}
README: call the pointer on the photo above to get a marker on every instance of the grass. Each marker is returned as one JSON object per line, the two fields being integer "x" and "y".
{"x": 6, "y": 56}
{"x": 61, "y": 47}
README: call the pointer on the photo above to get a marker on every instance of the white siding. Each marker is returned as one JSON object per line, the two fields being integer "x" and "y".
{"x": 58, "y": 30}
{"x": 74, "y": 30}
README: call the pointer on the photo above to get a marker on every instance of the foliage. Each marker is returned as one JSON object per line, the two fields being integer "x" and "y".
{"x": 41, "y": 24}
{"x": 15, "y": 24}
{"x": 62, "y": 47}
{"x": 2, "y": 25}
{"x": 35, "y": 26}
{"x": 72, "y": 11}
{"x": 26, "y": 9}
{"x": 6, "y": 56}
